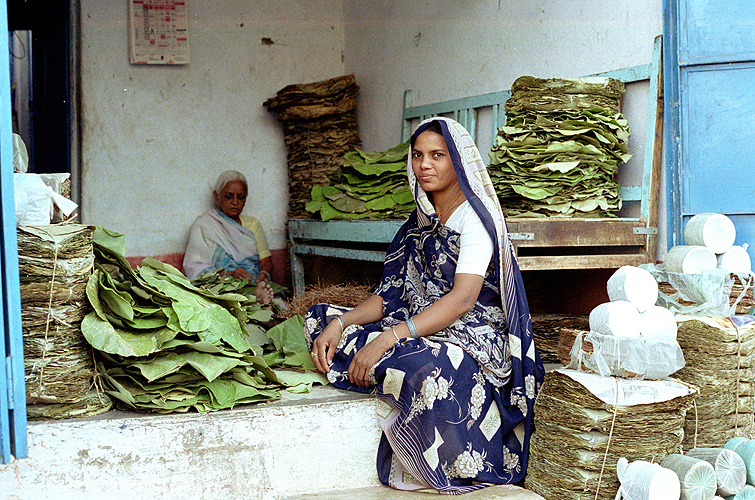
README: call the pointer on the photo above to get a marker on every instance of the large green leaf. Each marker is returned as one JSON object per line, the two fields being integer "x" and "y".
{"x": 104, "y": 337}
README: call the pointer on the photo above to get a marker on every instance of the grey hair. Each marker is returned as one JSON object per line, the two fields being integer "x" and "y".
{"x": 228, "y": 176}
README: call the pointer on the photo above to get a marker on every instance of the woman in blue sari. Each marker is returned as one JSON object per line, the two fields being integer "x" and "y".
{"x": 445, "y": 341}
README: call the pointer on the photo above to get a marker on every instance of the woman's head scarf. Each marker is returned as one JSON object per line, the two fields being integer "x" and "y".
{"x": 478, "y": 189}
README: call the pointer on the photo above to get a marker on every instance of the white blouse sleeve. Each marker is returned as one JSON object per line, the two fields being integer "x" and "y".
{"x": 476, "y": 247}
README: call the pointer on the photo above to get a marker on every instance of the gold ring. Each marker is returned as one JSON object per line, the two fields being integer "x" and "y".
{"x": 314, "y": 354}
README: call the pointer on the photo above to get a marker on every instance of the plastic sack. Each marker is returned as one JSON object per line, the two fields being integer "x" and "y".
{"x": 20, "y": 154}
{"x": 628, "y": 357}
{"x": 35, "y": 200}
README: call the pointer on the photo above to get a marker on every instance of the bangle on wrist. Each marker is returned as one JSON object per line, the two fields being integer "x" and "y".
{"x": 266, "y": 274}
{"x": 393, "y": 329}
{"x": 412, "y": 329}
{"x": 341, "y": 322}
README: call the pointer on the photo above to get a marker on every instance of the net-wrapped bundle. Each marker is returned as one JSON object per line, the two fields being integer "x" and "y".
{"x": 697, "y": 477}
{"x": 730, "y": 469}
{"x": 547, "y": 330}
{"x": 586, "y": 422}
{"x": 561, "y": 147}
{"x": 55, "y": 263}
{"x": 720, "y": 362}
{"x": 319, "y": 127}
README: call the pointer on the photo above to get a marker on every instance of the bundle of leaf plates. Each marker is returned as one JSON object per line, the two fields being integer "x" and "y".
{"x": 718, "y": 355}
{"x": 561, "y": 147}
{"x": 55, "y": 263}
{"x": 166, "y": 345}
{"x": 367, "y": 186}
{"x": 579, "y": 437}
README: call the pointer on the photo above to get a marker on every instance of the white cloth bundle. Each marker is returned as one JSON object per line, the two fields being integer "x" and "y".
{"x": 34, "y": 200}
{"x": 635, "y": 285}
{"x": 748, "y": 493}
{"x": 691, "y": 259}
{"x": 620, "y": 318}
{"x": 731, "y": 472}
{"x": 642, "y": 480}
{"x": 735, "y": 260}
{"x": 697, "y": 477}
{"x": 715, "y": 231}
{"x": 658, "y": 323}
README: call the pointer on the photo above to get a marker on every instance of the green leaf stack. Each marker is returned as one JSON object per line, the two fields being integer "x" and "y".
{"x": 367, "y": 186}
{"x": 561, "y": 147}
{"x": 164, "y": 344}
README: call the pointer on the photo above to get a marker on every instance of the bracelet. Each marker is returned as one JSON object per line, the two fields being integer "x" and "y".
{"x": 266, "y": 274}
{"x": 412, "y": 329}
{"x": 393, "y": 329}
{"x": 340, "y": 322}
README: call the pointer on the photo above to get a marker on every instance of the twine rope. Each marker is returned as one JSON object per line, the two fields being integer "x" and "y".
{"x": 608, "y": 444}
{"x": 49, "y": 316}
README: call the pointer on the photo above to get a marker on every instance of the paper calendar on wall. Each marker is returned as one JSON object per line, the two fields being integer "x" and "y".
{"x": 158, "y": 32}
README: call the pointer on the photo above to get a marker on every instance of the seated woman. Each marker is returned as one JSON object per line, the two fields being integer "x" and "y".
{"x": 446, "y": 340}
{"x": 222, "y": 238}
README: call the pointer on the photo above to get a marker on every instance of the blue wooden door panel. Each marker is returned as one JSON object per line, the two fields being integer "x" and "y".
{"x": 717, "y": 31}
{"x": 717, "y": 138}
{"x": 12, "y": 391}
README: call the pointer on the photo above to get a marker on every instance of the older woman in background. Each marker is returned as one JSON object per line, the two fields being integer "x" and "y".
{"x": 222, "y": 238}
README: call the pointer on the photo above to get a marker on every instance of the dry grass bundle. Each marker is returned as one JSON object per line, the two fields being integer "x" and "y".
{"x": 94, "y": 403}
{"x": 40, "y": 293}
{"x": 546, "y": 330}
{"x": 43, "y": 268}
{"x": 66, "y": 241}
{"x": 319, "y": 127}
{"x": 348, "y": 295}
{"x": 579, "y": 436}
{"x": 62, "y": 376}
{"x": 35, "y": 317}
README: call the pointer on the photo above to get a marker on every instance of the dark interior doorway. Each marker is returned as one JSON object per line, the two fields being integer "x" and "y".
{"x": 41, "y": 32}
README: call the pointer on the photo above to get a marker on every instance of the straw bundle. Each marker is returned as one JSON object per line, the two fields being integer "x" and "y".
{"x": 585, "y": 423}
{"x": 54, "y": 265}
{"x": 319, "y": 126}
{"x": 547, "y": 328}
{"x": 718, "y": 354}
{"x": 348, "y": 295}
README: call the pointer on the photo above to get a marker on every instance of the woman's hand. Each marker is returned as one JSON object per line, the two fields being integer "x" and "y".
{"x": 324, "y": 346}
{"x": 242, "y": 274}
{"x": 367, "y": 356}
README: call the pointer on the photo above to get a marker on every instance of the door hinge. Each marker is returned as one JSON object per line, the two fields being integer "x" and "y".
{"x": 644, "y": 230}
{"x": 9, "y": 378}
{"x": 522, "y": 236}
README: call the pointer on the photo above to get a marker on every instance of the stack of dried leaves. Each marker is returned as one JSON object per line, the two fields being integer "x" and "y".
{"x": 367, "y": 186}
{"x": 319, "y": 126}
{"x": 55, "y": 263}
{"x": 585, "y": 422}
{"x": 166, "y": 345}
{"x": 719, "y": 360}
{"x": 546, "y": 330}
{"x": 348, "y": 295}
{"x": 561, "y": 147}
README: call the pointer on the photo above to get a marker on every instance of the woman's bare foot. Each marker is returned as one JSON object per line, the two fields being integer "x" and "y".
{"x": 263, "y": 292}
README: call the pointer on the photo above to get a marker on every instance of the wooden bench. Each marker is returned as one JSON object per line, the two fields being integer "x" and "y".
{"x": 541, "y": 244}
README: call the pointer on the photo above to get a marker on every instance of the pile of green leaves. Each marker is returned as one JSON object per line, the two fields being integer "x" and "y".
{"x": 165, "y": 345}
{"x": 560, "y": 164}
{"x": 366, "y": 186}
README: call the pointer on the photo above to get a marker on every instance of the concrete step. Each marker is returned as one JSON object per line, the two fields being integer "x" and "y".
{"x": 505, "y": 492}
{"x": 323, "y": 441}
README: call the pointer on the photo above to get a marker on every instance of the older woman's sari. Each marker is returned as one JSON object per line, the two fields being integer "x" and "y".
{"x": 218, "y": 242}
{"x": 456, "y": 407}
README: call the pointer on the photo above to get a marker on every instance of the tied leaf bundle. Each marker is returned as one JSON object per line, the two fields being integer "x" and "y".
{"x": 166, "y": 345}
{"x": 560, "y": 150}
{"x": 367, "y": 186}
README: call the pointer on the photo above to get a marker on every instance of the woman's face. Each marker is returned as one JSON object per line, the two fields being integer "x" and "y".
{"x": 231, "y": 199}
{"x": 432, "y": 164}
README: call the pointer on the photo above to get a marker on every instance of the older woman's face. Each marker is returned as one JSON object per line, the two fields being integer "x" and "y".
{"x": 231, "y": 199}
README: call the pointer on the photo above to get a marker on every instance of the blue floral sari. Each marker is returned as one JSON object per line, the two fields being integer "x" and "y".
{"x": 456, "y": 407}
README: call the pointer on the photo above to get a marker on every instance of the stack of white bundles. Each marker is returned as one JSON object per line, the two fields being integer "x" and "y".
{"x": 584, "y": 423}
{"x": 641, "y": 480}
{"x": 720, "y": 361}
{"x": 629, "y": 336}
{"x": 697, "y": 477}
{"x": 716, "y": 233}
{"x": 690, "y": 259}
{"x": 730, "y": 469}
{"x": 748, "y": 493}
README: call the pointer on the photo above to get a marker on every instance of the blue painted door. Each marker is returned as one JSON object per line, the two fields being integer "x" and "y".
{"x": 12, "y": 391}
{"x": 709, "y": 76}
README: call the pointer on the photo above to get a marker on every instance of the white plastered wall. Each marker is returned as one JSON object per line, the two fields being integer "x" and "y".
{"x": 155, "y": 138}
